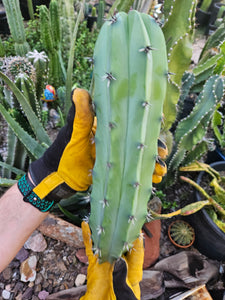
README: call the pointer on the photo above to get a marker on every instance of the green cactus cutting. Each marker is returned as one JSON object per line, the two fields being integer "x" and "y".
{"x": 130, "y": 79}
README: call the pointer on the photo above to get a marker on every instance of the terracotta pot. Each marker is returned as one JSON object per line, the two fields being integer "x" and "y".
{"x": 152, "y": 243}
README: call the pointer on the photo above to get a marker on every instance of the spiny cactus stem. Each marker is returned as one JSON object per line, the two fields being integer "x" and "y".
{"x": 194, "y": 184}
{"x": 217, "y": 206}
{"x": 155, "y": 216}
{"x": 185, "y": 211}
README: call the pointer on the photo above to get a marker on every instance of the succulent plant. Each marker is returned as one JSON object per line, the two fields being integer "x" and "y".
{"x": 181, "y": 234}
{"x": 178, "y": 30}
{"x": 16, "y": 26}
{"x": 215, "y": 197}
{"x": 130, "y": 79}
{"x": 190, "y": 134}
{"x": 14, "y": 65}
{"x": 40, "y": 62}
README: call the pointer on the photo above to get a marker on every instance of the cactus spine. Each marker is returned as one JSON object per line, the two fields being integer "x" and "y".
{"x": 15, "y": 21}
{"x": 130, "y": 75}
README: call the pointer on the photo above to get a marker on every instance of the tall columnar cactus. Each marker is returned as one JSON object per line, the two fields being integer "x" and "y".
{"x": 178, "y": 30}
{"x": 121, "y": 5}
{"x": 40, "y": 62}
{"x": 27, "y": 87}
{"x": 15, "y": 21}
{"x": 130, "y": 79}
{"x": 101, "y": 13}
{"x": 2, "y": 49}
{"x": 51, "y": 36}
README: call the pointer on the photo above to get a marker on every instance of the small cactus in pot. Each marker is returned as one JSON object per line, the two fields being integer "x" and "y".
{"x": 181, "y": 234}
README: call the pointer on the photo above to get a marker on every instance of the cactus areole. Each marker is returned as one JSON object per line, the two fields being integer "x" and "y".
{"x": 130, "y": 79}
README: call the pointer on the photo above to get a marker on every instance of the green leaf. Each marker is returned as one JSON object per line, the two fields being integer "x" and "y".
{"x": 72, "y": 217}
{"x": 12, "y": 169}
{"x": 32, "y": 146}
{"x": 4, "y": 182}
{"x": 35, "y": 124}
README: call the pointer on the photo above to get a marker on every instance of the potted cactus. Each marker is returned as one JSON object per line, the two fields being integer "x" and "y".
{"x": 181, "y": 234}
{"x": 209, "y": 223}
{"x": 203, "y": 14}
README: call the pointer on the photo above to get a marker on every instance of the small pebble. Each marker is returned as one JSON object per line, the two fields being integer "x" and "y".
{"x": 28, "y": 269}
{"x": 8, "y": 287}
{"x": 19, "y": 296}
{"x": 28, "y": 293}
{"x": 81, "y": 256}
{"x": 80, "y": 280}
{"x": 7, "y": 273}
{"x": 42, "y": 295}
{"x": 5, "y": 294}
{"x": 22, "y": 255}
{"x": 38, "y": 279}
{"x": 36, "y": 242}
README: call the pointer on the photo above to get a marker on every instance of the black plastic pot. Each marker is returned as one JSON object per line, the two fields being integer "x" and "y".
{"x": 90, "y": 22}
{"x": 202, "y": 17}
{"x": 209, "y": 239}
{"x": 216, "y": 155}
{"x": 214, "y": 15}
{"x": 215, "y": 12}
{"x": 24, "y": 8}
{"x": 4, "y": 27}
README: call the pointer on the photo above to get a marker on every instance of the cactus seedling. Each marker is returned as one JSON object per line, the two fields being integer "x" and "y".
{"x": 130, "y": 78}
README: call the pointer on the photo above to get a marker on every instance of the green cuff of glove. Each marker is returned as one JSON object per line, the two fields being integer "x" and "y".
{"x": 26, "y": 188}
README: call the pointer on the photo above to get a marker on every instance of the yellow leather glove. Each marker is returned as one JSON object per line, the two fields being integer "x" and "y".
{"x": 160, "y": 166}
{"x": 119, "y": 281}
{"x": 67, "y": 164}
{"x": 131, "y": 271}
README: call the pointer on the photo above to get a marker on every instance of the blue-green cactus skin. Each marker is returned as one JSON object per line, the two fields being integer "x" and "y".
{"x": 130, "y": 87}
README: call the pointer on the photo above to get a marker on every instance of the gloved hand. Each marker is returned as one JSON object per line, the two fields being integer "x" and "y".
{"x": 160, "y": 166}
{"x": 119, "y": 281}
{"x": 67, "y": 164}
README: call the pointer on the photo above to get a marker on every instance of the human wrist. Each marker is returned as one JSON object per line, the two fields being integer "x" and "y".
{"x": 26, "y": 186}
